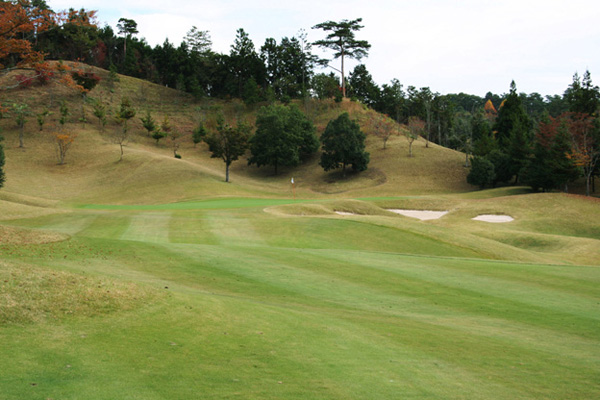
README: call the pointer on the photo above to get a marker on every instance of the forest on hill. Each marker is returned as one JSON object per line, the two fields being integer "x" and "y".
{"x": 545, "y": 142}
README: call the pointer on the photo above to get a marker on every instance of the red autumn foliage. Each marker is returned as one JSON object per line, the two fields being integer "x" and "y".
{"x": 17, "y": 19}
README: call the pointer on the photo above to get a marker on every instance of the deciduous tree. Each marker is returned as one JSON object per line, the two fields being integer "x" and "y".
{"x": 383, "y": 127}
{"x": 416, "y": 127}
{"x": 123, "y": 115}
{"x": 227, "y": 142}
{"x": 17, "y": 20}
{"x": 63, "y": 144}
{"x": 462, "y": 129}
{"x": 586, "y": 145}
{"x": 21, "y": 111}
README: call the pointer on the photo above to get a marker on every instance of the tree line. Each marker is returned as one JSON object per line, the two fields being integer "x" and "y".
{"x": 497, "y": 129}
{"x": 548, "y": 153}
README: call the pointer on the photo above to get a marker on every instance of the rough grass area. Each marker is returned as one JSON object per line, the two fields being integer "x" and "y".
{"x": 31, "y": 294}
{"x": 11, "y": 235}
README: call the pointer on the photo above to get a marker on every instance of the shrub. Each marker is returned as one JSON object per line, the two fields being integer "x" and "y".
{"x": 24, "y": 81}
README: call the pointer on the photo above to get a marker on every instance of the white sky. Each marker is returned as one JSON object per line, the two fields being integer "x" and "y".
{"x": 449, "y": 45}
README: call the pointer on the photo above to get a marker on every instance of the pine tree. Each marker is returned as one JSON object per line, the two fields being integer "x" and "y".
{"x": 342, "y": 41}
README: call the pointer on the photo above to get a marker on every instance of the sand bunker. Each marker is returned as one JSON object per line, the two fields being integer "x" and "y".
{"x": 423, "y": 215}
{"x": 493, "y": 218}
{"x": 344, "y": 213}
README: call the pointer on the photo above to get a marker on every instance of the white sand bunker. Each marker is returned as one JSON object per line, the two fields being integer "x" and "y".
{"x": 344, "y": 213}
{"x": 423, "y": 215}
{"x": 493, "y": 218}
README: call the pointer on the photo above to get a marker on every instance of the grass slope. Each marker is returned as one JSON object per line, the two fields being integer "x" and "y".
{"x": 150, "y": 278}
{"x": 150, "y": 174}
{"x": 263, "y": 305}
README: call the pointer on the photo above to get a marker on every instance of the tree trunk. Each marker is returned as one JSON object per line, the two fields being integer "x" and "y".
{"x": 587, "y": 184}
{"x": 21, "y": 133}
{"x": 343, "y": 79}
{"x": 226, "y": 172}
{"x": 121, "y": 145}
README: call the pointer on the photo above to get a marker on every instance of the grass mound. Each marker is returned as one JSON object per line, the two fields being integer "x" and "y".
{"x": 12, "y": 236}
{"x": 31, "y": 294}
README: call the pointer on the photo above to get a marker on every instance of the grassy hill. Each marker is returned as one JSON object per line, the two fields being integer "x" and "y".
{"x": 151, "y": 278}
{"x": 149, "y": 173}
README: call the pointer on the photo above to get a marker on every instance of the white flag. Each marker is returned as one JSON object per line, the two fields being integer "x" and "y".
{"x": 292, "y": 181}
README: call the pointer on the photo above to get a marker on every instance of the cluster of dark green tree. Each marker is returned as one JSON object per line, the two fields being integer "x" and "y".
{"x": 436, "y": 110}
{"x": 284, "y": 137}
{"x": 277, "y": 70}
{"x": 545, "y": 154}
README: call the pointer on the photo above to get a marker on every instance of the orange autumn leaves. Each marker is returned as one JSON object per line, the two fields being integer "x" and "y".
{"x": 21, "y": 21}
{"x": 63, "y": 144}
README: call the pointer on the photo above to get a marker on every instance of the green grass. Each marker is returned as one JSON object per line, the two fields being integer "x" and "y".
{"x": 151, "y": 278}
{"x": 212, "y": 204}
{"x": 220, "y": 299}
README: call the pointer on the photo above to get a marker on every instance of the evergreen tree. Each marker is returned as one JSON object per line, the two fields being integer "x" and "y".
{"x": 284, "y": 137}
{"x": 362, "y": 86}
{"x": 199, "y": 133}
{"x": 483, "y": 140}
{"x": 537, "y": 173}
{"x": 391, "y": 101}
{"x": 511, "y": 115}
{"x": 148, "y": 123}
{"x": 343, "y": 145}
{"x": 582, "y": 96}
{"x": 244, "y": 63}
{"x": 503, "y": 170}
{"x": 482, "y": 172}
{"x": 342, "y": 41}
{"x": 564, "y": 168}
{"x": 325, "y": 86}
{"x": 518, "y": 148}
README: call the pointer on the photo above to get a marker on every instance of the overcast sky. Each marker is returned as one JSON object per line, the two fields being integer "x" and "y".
{"x": 451, "y": 46}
